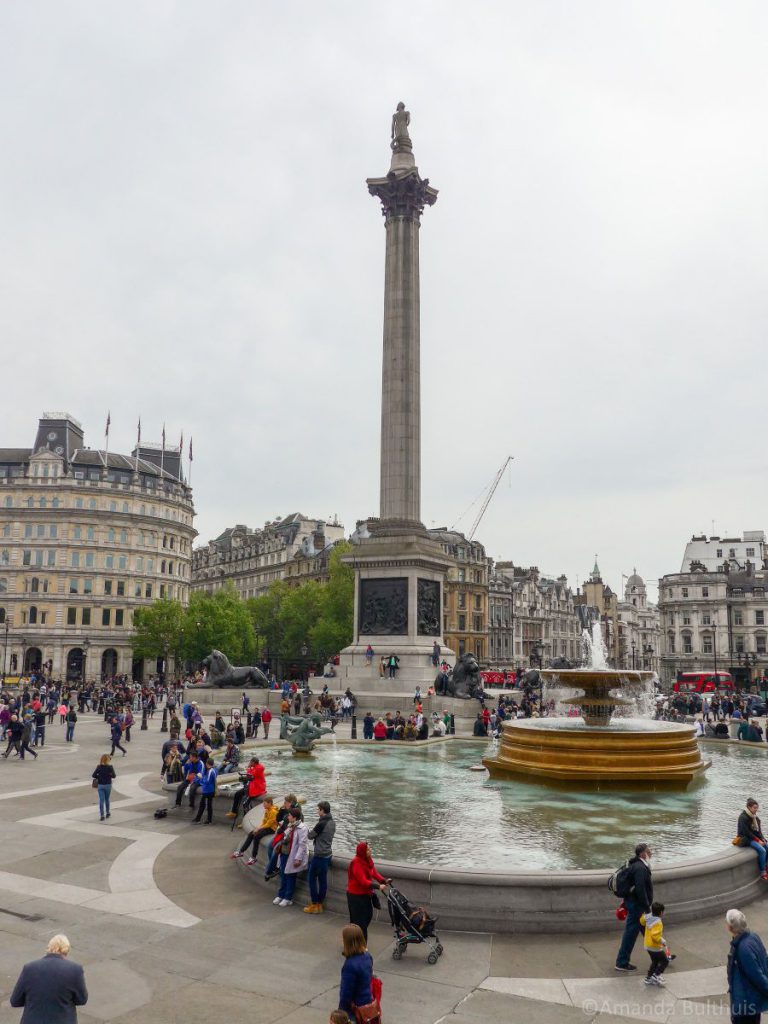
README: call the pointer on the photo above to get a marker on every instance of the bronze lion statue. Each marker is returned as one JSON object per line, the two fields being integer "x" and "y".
{"x": 463, "y": 681}
{"x": 221, "y": 673}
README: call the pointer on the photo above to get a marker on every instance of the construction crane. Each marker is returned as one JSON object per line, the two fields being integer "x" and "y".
{"x": 488, "y": 495}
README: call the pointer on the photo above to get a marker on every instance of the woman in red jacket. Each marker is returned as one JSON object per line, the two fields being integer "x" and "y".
{"x": 257, "y": 787}
{"x": 362, "y": 880}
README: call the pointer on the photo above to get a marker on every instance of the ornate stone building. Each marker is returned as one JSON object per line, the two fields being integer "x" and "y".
{"x": 715, "y": 614}
{"x": 465, "y": 595}
{"x": 638, "y": 627}
{"x": 85, "y": 539}
{"x": 533, "y": 618}
{"x": 293, "y": 548}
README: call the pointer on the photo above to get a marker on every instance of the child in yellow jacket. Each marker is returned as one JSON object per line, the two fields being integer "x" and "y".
{"x": 655, "y": 944}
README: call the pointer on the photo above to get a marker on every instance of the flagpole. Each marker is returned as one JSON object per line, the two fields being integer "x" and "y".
{"x": 190, "y": 461}
{"x": 162, "y": 458}
{"x": 138, "y": 445}
{"x": 181, "y": 457}
{"x": 106, "y": 443}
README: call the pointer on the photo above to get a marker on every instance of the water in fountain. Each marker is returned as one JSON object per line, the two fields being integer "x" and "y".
{"x": 593, "y": 646}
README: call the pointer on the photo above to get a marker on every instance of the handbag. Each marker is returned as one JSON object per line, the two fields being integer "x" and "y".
{"x": 94, "y": 783}
{"x": 370, "y": 1014}
{"x": 375, "y": 901}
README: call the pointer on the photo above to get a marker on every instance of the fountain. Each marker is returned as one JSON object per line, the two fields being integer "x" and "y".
{"x": 601, "y": 747}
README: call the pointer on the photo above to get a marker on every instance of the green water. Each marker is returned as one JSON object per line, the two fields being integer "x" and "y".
{"x": 425, "y": 806}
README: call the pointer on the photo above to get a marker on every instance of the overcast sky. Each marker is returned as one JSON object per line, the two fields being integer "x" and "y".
{"x": 187, "y": 235}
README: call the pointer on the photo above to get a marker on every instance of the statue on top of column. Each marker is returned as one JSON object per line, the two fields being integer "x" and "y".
{"x": 400, "y": 121}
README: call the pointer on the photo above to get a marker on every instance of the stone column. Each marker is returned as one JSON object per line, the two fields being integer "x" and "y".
{"x": 403, "y": 194}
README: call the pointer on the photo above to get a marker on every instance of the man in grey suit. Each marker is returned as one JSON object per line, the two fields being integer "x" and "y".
{"x": 50, "y": 989}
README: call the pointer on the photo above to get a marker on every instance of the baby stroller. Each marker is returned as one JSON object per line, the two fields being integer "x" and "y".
{"x": 411, "y": 924}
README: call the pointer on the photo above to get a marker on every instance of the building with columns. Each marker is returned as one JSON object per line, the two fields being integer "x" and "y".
{"x": 86, "y": 537}
{"x": 714, "y": 613}
{"x": 465, "y": 595}
{"x": 637, "y": 627}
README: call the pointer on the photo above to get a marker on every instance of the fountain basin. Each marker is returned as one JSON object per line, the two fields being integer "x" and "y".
{"x": 630, "y": 751}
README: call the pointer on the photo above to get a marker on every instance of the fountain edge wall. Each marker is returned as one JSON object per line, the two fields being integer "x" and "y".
{"x": 548, "y": 901}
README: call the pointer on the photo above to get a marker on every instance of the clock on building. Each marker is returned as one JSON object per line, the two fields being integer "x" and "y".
{"x": 52, "y": 435}
{"x": 59, "y": 449}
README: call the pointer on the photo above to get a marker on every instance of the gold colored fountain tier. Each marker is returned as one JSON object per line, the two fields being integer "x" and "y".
{"x": 594, "y": 750}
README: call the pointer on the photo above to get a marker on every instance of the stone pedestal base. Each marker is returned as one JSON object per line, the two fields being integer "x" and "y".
{"x": 399, "y": 576}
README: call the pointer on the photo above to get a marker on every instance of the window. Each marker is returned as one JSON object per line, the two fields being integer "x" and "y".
{"x": 109, "y": 562}
{"x": 75, "y": 559}
{"x": 719, "y": 552}
{"x": 9, "y": 502}
{"x": 76, "y": 533}
{"x": 74, "y": 586}
{"x": 150, "y": 565}
{"x": 53, "y": 532}
{"x": 125, "y": 503}
{"x": 42, "y": 503}
{"x": 55, "y": 503}
{"x": 71, "y": 616}
{"x": 43, "y": 617}
{"x": 759, "y": 618}
{"x": 105, "y": 616}
{"x": 705, "y": 591}
{"x": 477, "y": 623}
{"x": 51, "y": 558}
{"x": 5, "y": 557}
{"x": 111, "y": 535}
{"x": 706, "y": 645}
{"x": 113, "y": 506}
{"x": 3, "y": 585}
{"x": 87, "y": 586}
{"x": 122, "y": 562}
{"x": 739, "y": 641}
{"x": 40, "y": 530}
{"x": 91, "y": 533}
{"x": 140, "y": 564}
{"x": 32, "y": 615}
{"x": 137, "y": 590}
{"x": 478, "y": 601}
{"x": 86, "y": 616}
{"x": 148, "y": 590}
{"x": 706, "y": 619}
{"x": 686, "y": 620}
{"x": 121, "y": 588}
{"x": 461, "y": 575}
{"x": 671, "y": 643}
{"x": 687, "y": 644}
{"x": 685, "y": 591}
{"x": 108, "y": 587}
{"x": 123, "y": 536}
{"x": 731, "y": 552}
{"x": 462, "y": 622}
{"x": 750, "y": 552}
{"x": 2, "y": 614}
{"x": 92, "y": 503}
{"x": 78, "y": 502}
{"x": 118, "y": 616}
{"x": 30, "y": 502}
{"x": 7, "y": 530}
{"x": 760, "y": 643}
{"x": 28, "y": 530}
{"x": 462, "y": 599}
{"x": 89, "y": 560}
{"x": 738, "y": 617}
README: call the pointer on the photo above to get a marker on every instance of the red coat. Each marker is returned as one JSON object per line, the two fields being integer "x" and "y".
{"x": 361, "y": 874}
{"x": 266, "y": 716}
{"x": 380, "y": 729}
{"x": 258, "y": 783}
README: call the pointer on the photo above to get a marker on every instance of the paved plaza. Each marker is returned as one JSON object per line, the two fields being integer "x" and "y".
{"x": 168, "y": 929}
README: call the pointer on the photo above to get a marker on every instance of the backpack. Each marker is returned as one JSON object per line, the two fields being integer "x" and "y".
{"x": 620, "y": 882}
{"x": 161, "y": 812}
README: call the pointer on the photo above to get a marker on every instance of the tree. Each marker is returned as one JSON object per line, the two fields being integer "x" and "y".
{"x": 219, "y": 621}
{"x": 334, "y": 628}
{"x": 157, "y": 629}
{"x": 267, "y": 624}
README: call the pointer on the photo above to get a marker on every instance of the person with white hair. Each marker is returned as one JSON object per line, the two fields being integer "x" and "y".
{"x": 51, "y": 989}
{"x": 747, "y": 974}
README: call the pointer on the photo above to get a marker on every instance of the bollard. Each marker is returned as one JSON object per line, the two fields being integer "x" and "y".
{"x": 144, "y": 720}
{"x": 164, "y": 726}
{"x": 248, "y": 723}
{"x": 452, "y": 730}
{"x": 354, "y": 727}
{"x": 100, "y": 708}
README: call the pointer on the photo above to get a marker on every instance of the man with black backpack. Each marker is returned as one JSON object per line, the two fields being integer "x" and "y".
{"x": 634, "y": 883}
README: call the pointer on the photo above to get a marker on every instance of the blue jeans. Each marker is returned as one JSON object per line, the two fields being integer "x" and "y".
{"x": 287, "y": 882}
{"x": 70, "y": 733}
{"x": 632, "y": 929}
{"x": 104, "y": 794}
{"x": 762, "y": 854}
{"x": 272, "y": 858}
{"x": 317, "y": 877}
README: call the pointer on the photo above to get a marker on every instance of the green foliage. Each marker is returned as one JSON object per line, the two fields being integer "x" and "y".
{"x": 157, "y": 629}
{"x": 280, "y": 621}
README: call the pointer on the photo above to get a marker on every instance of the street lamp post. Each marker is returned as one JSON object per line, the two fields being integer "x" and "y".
{"x": 647, "y": 655}
{"x": 304, "y": 653}
{"x": 23, "y": 655}
{"x": 632, "y": 645}
{"x": 86, "y": 646}
{"x": 5, "y": 646}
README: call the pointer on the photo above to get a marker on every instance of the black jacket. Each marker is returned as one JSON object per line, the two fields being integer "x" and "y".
{"x": 745, "y": 831}
{"x": 50, "y": 990}
{"x": 642, "y": 884}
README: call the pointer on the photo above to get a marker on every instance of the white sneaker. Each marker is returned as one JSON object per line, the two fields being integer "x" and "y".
{"x": 658, "y": 980}
{"x": 286, "y": 903}
{"x": 277, "y": 901}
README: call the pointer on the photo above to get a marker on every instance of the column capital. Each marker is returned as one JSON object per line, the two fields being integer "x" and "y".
{"x": 402, "y": 195}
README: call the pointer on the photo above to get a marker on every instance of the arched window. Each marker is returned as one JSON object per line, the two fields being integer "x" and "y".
{"x": 30, "y": 502}
{"x": 91, "y": 503}
{"x": 125, "y": 506}
{"x": 33, "y": 615}
{"x": 35, "y": 585}
{"x": 123, "y": 536}
{"x": 55, "y": 503}
{"x": 43, "y": 503}
{"x": 111, "y": 535}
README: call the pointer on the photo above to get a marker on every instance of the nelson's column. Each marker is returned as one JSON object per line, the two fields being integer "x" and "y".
{"x": 399, "y": 569}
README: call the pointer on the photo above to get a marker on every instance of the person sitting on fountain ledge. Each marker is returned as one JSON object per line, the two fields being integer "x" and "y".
{"x": 750, "y": 833}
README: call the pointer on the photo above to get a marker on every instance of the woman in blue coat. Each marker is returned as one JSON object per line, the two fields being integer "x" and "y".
{"x": 747, "y": 971}
{"x": 356, "y": 987}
